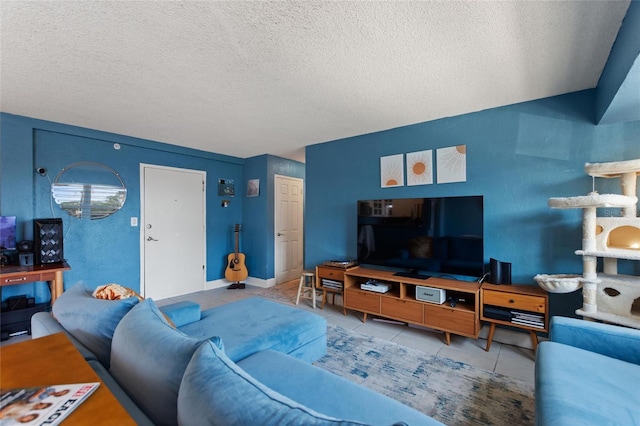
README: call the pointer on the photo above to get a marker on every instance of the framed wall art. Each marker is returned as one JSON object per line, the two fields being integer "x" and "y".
{"x": 391, "y": 171}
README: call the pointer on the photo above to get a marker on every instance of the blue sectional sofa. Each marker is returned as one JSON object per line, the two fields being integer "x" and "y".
{"x": 243, "y": 363}
{"x": 588, "y": 373}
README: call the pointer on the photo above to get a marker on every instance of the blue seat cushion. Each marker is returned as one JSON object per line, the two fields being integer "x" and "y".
{"x": 91, "y": 321}
{"x": 578, "y": 387}
{"x": 148, "y": 359}
{"x": 328, "y": 393}
{"x": 255, "y": 324}
{"x": 182, "y": 313}
{"x": 215, "y": 391}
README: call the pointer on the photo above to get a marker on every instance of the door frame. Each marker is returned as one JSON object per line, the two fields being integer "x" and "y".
{"x": 141, "y": 222}
{"x": 275, "y": 211}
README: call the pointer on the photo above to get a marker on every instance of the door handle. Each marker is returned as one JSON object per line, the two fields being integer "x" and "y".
{"x": 278, "y": 234}
{"x": 151, "y": 239}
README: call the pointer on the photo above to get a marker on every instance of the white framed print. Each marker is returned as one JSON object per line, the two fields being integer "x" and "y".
{"x": 452, "y": 164}
{"x": 420, "y": 168}
{"x": 391, "y": 171}
{"x": 253, "y": 187}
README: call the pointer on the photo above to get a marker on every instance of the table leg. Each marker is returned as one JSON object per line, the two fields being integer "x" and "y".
{"x": 447, "y": 336}
{"x": 534, "y": 340}
{"x": 56, "y": 286}
{"x": 492, "y": 329}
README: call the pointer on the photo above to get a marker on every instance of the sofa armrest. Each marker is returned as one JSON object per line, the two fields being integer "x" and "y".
{"x": 182, "y": 313}
{"x": 606, "y": 339}
{"x": 44, "y": 324}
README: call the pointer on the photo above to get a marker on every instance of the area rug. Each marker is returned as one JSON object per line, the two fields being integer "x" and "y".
{"x": 285, "y": 292}
{"x": 452, "y": 392}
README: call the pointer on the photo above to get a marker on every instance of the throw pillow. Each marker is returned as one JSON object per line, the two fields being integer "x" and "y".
{"x": 215, "y": 391}
{"x": 91, "y": 321}
{"x": 114, "y": 291}
{"x": 148, "y": 359}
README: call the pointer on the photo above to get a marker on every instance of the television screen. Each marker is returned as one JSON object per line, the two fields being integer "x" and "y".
{"x": 423, "y": 236}
{"x": 7, "y": 232}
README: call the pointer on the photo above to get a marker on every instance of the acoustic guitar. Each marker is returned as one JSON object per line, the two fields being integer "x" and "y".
{"x": 236, "y": 269}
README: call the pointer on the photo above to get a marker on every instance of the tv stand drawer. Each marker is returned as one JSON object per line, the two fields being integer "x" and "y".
{"x": 362, "y": 301}
{"x": 401, "y": 309}
{"x": 456, "y": 321}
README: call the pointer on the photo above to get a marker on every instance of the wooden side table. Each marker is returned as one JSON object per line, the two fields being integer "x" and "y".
{"x": 53, "y": 360}
{"x": 51, "y": 273}
{"x": 522, "y": 299}
{"x": 332, "y": 273}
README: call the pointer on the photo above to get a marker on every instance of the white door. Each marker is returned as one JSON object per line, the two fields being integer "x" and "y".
{"x": 173, "y": 236}
{"x": 289, "y": 245}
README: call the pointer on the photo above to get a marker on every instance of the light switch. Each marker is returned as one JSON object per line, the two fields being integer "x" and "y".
{"x": 134, "y": 221}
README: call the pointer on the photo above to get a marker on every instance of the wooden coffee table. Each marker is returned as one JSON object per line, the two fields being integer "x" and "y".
{"x": 53, "y": 360}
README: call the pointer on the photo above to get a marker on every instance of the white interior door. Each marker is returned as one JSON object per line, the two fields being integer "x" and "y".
{"x": 173, "y": 235}
{"x": 289, "y": 246}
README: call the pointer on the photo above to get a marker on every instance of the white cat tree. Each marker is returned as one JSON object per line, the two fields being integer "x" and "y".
{"x": 607, "y": 295}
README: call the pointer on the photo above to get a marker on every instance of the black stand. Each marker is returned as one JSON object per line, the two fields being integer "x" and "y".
{"x": 236, "y": 286}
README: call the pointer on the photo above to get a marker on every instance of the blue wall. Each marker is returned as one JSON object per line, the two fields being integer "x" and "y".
{"x": 517, "y": 158}
{"x": 108, "y": 250}
{"x": 105, "y": 250}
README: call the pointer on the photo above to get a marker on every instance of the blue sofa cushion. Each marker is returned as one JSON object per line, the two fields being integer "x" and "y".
{"x": 255, "y": 324}
{"x": 148, "y": 359}
{"x": 182, "y": 313}
{"x": 215, "y": 391}
{"x": 328, "y": 393}
{"x": 578, "y": 387}
{"x": 91, "y": 321}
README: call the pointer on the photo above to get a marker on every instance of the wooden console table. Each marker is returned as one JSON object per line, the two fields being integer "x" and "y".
{"x": 53, "y": 360}
{"x": 400, "y": 302}
{"x": 51, "y": 273}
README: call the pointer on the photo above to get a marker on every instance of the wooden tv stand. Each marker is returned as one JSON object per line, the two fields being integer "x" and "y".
{"x": 400, "y": 302}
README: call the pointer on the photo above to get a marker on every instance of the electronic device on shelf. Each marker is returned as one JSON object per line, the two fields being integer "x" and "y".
{"x": 374, "y": 285}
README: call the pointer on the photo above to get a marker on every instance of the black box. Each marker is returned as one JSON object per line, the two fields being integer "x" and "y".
{"x": 19, "y": 320}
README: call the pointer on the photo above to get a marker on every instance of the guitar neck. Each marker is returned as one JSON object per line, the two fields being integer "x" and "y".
{"x": 237, "y": 232}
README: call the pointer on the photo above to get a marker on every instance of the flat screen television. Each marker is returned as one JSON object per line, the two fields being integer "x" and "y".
{"x": 423, "y": 237}
{"x": 7, "y": 232}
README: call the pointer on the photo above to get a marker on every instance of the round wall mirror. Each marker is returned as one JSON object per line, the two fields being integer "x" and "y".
{"x": 74, "y": 193}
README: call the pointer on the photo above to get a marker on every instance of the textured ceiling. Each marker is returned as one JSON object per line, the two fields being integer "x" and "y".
{"x": 249, "y": 78}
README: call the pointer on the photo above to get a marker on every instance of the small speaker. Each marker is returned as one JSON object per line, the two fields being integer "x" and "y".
{"x": 496, "y": 271}
{"x": 506, "y": 272}
{"x": 48, "y": 245}
{"x": 26, "y": 259}
{"x": 500, "y": 272}
{"x": 25, "y": 246}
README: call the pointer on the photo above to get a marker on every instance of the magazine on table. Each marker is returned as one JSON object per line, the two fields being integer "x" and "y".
{"x": 42, "y": 405}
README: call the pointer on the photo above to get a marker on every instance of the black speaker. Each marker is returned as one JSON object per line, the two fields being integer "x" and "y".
{"x": 506, "y": 273}
{"x": 500, "y": 272}
{"x": 25, "y": 246}
{"x": 48, "y": 247}
{"x": 496, "y": 271}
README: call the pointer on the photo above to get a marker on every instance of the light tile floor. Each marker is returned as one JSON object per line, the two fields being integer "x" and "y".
{"x": 509, "y": 360}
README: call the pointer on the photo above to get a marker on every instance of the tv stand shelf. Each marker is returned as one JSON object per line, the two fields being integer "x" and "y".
{"x": 400, "y": 302}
